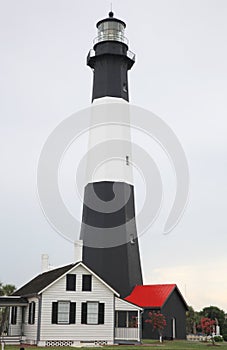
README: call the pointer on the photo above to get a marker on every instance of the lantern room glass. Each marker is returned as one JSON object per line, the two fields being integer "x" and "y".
{"x": 111, "y": 30}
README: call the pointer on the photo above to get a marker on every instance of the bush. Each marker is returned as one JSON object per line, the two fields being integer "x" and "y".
{"x": 224, "y": 337}
{"x": 218, "y": 338}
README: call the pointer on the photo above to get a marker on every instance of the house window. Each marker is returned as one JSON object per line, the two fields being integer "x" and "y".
{"x": 14, "y": 315}
{"x": 71, "y": 282}
{"x": 86, "y": 283}
{"x": 31, "y": 313}
{"x": 92, "y": 313}
{"x": 121, "y": 319}
{"x": 126, "y": 319}
{"x": 63, "y": 312}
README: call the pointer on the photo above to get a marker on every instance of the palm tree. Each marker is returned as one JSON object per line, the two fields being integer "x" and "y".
{"x": 1, "y": 291}
{"x": 5, "y": 290}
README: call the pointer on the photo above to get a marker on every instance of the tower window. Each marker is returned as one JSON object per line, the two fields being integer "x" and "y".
{"x": 132, "y": 240}
{"x": 86, "y": 283}
{"x": 125, "y": 87}
{"x": 127, "y": 160}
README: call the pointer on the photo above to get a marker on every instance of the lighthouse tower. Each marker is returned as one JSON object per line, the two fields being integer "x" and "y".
{"x": 118, "y": 264}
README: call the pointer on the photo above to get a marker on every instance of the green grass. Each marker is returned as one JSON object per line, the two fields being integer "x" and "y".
{"x": 152, "y": 344}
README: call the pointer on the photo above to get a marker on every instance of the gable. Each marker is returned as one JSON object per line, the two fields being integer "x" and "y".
{"x": 121, "y": 304}
{"x": 98, "y": 286}
{"x": 175, "y": 300}
{"x": 45, "y": 280}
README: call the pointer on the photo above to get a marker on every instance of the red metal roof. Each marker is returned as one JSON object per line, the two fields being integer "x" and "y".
{"x": 153, "y": 295}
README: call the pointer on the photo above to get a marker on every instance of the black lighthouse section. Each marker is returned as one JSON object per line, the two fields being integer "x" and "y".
{"x": 110, "y": 242}
{"x": 110, "y": 59}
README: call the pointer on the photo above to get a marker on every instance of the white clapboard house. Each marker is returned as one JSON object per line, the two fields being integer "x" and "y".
{"x": 71, "y": 305}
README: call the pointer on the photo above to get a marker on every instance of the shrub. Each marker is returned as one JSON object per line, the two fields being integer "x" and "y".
{"x": 218, "y": 338}
{"x": 224, "y": 337}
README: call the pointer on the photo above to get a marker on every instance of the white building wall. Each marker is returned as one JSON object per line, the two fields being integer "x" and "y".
{"x": 128, "y": 333}
{"x": 15, "y": 329}
{"x": 30, "y": 330}
{"x": 123, "y": 305}
{"x": 77, "y": 332}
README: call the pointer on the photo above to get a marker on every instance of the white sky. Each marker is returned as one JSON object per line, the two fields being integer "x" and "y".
{"x": 180, "y": 74}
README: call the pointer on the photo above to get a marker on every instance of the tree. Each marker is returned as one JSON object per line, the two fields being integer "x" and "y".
{"x": 214, "y": 313}
{"x": 192, "y": 320}
{"x": 157, "y": 321}
{"x": 207, "y": 325}
{"x": 5, "y": 290}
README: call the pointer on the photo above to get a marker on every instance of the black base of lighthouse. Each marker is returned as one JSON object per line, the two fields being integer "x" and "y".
{"x": 110, "y": 243}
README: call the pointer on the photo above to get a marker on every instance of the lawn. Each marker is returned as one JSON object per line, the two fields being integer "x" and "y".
{"x": 167, "y": 345}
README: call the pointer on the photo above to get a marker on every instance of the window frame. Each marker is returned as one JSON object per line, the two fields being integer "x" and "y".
{"x": 130, "y": 319}
{"x": 100, "y": 313}
{"x": 90, "y": 314}
{"x": 71, "y": 318}
{"x": 71, "y": 282}
{"x": 31, "y": 312}
{"x": 63, "y": 313}
{"x": 85, "y": 287}
{"x": 13, "y": 319}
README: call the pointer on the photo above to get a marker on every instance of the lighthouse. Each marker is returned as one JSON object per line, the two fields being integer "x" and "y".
{"x": 117, "y": 264}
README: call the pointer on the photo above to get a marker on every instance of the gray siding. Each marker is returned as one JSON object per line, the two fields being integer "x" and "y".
{"x": 173, "y": 308}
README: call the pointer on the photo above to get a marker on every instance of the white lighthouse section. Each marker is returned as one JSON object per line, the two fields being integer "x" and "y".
{"x": 111, "y": 157}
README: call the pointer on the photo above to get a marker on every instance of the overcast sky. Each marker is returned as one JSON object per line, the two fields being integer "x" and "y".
{"x": 180, "y": 75}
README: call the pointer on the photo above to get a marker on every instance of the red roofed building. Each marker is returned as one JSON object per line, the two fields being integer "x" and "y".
{"x": 167, "y": 299}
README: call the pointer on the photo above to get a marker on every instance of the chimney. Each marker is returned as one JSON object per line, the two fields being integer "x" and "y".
{"x": 78, "y": 250}
{"x": 45, "y": 262}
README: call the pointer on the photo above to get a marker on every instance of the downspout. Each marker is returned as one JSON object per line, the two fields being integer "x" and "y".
{"x": 114, "y": 312}
{"x": 141, "y": 325}
{"x": 39, "y": 318}
{"x": 22, "y": 322}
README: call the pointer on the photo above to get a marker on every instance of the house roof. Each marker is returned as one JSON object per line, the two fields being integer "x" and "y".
{"x": 12, "y": 301}
{"x": 154, "y": 295}
{"x": 43, "y": 280}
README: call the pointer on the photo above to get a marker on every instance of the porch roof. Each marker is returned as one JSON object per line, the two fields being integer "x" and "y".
{"x": 12, "y": 301}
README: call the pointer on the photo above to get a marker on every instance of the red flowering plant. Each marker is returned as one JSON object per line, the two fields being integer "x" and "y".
{"x": 208, "y": 326}
{"x": 157, "y": 321}
{"x": 133, "y": 322}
